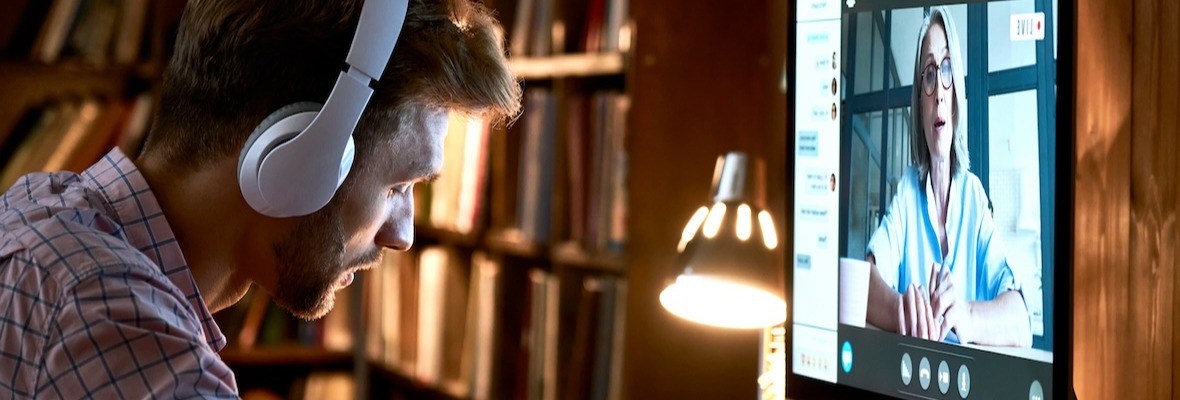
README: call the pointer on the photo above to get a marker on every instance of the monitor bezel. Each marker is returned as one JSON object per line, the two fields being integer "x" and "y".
{"x": 802, "y": 387}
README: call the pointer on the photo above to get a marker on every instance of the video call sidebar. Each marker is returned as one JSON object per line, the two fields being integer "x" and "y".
{"x": 817, "y": 156}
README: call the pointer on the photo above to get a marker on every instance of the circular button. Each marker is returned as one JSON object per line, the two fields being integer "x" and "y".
{"x": 907, "y": 369}
{"x": 964, "y": 381}
{"x": 944, "y": 377}
{"x": 846, "y": 357}
{"x": 1035, "y": 392}
{"x": 924, "y": 373}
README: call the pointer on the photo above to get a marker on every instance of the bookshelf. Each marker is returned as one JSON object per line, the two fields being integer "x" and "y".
{"x": 78, "y": 77}
{"x": 573, "y": 311}
{"x": 569, "y": 65}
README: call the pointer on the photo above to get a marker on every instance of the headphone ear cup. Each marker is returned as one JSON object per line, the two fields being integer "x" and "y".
{"x": 274, "y": 118}
{"x": 256, "y": 149}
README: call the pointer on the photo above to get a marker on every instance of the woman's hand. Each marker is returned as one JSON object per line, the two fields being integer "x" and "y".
{"x": 915, "y": 316}
{"x": 950, "y": 309}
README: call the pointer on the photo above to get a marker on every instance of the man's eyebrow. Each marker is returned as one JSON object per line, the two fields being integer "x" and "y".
{"x": 430, "y": 178}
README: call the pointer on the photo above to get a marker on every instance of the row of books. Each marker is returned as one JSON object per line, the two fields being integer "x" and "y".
{"x": 457, "y": 200}
{"x": 545, "y": 27}
{"x": 567, "y": 178}
{"x": 72, "y": 133}
{"x": 93, "y": 31}
{"x": 589, "y": 150}
{"x": 478, "y": 327}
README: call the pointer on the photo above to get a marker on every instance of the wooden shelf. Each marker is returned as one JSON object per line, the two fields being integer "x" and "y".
{"x": 571, "y": 254}
{"x": 32, "y": 69}
{"x": 407, "y": 385}
{"x": 568, "y": 65}
{"x": 432, "y": 234}
{"x": 512, "y": 242}
{"x": 287, "y": 356}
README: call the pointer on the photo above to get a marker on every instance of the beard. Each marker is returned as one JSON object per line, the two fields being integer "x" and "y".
{"x": 310, "y": 263}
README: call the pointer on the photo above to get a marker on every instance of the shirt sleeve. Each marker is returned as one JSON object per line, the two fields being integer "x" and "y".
{"x": 998, "y": 276}
{"x": 888, "y": 242}
{"x": 126, "y": 333}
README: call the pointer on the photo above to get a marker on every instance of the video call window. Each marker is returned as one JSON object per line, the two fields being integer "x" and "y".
{"x": 1004, "y": 129}
{"x": 935, "y": 123}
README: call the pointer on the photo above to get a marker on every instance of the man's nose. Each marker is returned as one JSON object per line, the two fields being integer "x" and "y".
{"x": 397, "y": 233}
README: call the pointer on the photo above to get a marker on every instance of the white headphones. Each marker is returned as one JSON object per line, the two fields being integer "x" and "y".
{"x": 299, "y": 155}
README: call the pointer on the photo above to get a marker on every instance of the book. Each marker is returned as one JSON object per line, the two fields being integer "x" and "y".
{"x": 78, "y": 152}
{"x": 432, "y": 263}
{"x": 444, "y": 193}
{"x": 580, "y": 373}
{"x": 616, "y": 15}
{"x": 390, "y": 272}
{"x": 473, "y": 176}
{"x": 519, "y": 40}
{"x": 577, "y": 166}
{"x": 30, "y": 154}
{"x": 55, "y": 30}
{"x": 132, "y": 25}
{"x": 486, "y": 273}
{"x": 443, "y": 288}
{"x": 537, "y": 152}
{"x": 336, "y": 330}
{"x": 52, "y": 152}
{"x": 131, "y": 133}
{"x": 94, "y": 28}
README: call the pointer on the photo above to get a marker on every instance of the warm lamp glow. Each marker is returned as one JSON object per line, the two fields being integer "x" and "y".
{"x": 743, "y": 222}
{"x": 721, "y": 303}
{"x": 691, "y": 228}
{"x": 713, "y": 222}
{"x": 726, "y": 270}
{"x": 769, "y": 235}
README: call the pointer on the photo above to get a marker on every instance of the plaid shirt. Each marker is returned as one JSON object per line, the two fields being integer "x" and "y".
{"x": 96, "y": 300}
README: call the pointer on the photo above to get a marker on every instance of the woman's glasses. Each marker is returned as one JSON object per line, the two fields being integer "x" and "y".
{"x": 932, "y": 73}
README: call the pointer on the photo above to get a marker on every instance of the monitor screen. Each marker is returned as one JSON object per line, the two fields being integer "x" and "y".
{"x": 926, "y": 183}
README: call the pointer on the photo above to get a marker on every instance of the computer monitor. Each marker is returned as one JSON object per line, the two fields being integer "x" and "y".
{"x": 932, "y": 198}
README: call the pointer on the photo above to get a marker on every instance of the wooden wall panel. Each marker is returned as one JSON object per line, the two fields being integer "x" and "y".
{"x": 704, "y": 83}
{"x": 1102, "y": 200}
{"x": 1128, "y": 196}
{"x": 1153, "y": 192}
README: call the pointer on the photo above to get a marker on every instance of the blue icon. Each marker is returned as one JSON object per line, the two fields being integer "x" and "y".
{"x": 846, "y": 357}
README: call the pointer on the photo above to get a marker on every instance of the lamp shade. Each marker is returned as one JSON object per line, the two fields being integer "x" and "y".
{"x": 726, "y": 255}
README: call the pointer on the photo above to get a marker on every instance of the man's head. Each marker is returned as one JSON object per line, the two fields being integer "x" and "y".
{"x": 238, "y": 60}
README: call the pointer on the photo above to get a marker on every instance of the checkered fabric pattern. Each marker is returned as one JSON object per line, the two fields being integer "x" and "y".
{"x": 96, "y": 299}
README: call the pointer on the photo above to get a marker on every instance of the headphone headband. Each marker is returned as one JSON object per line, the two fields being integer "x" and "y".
{"x": 291, "y": 167}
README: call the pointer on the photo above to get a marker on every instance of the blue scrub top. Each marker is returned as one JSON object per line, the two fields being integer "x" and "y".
{"x": 905, "y": 245}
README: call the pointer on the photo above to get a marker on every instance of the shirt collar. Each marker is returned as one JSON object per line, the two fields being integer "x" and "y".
{"x": 145, "y": 226}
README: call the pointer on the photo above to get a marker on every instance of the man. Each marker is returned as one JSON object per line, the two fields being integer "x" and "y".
{"x": 109, "y": 277}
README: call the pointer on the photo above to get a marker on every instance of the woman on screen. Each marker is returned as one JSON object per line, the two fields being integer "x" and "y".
{"x": 939, "y": 269}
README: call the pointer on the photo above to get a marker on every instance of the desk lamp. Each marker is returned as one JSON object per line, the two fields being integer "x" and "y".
{"x": 726, "y": 254}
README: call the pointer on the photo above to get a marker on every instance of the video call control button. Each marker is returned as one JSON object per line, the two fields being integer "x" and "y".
{"x": 907, "y": 369}
{"x": 964, "y": 381}
{"x": 944, "y": 377}
{"x": 1035, "y": 392}
{"x": 846, "y": 357}
{"x": 924, "y": 373}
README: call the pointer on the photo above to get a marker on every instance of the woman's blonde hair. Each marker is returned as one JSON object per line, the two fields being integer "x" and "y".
{"x": 960, "y": 158}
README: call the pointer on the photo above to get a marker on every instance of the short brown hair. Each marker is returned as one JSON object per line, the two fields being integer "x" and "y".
{"x": 236, "y": 61}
